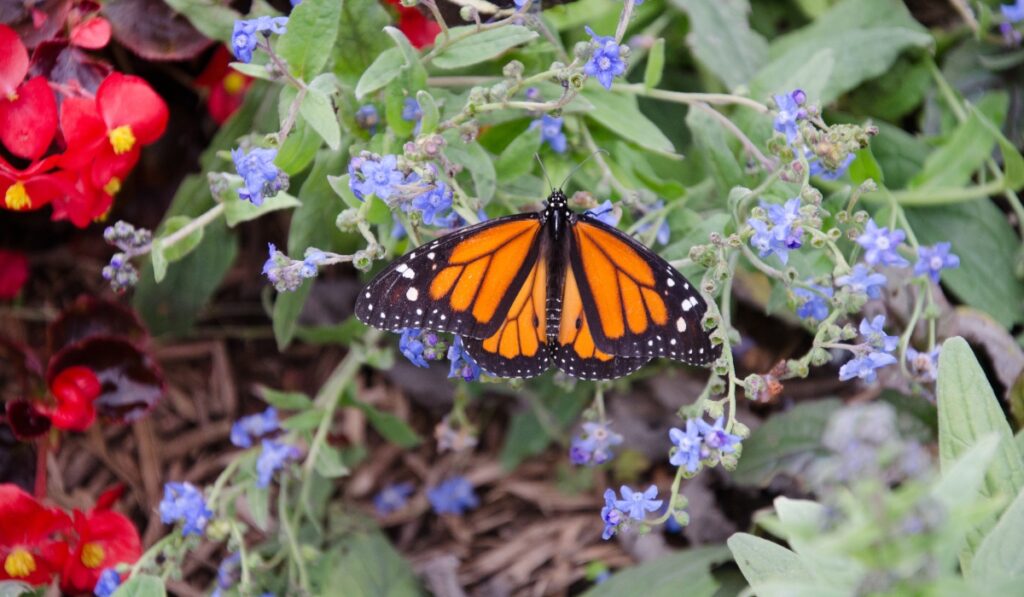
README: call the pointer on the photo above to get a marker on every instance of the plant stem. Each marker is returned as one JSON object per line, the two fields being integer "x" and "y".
{"x": 681, "y": 97}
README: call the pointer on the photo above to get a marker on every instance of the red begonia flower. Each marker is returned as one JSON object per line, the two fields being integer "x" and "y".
{"x": 75, "y": 390}
{"x": 33, "y": 545}
{"x": 28, "y": 119}
{"x": 33, "y": 187}
{"x": 225, "y": 85}
{"x": 92, "y": 34}
{"x": 13, "y": 273}
{"x": 420, "y": 30}
{"x": 14, "y": 61}
{"x": 105, "y": 539}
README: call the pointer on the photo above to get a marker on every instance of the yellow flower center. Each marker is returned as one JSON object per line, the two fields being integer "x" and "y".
{"x": 234, "y": 83}
{"x": 113, "y": 186}
{"x": 17, "y": 197}
{"x": 93, "y": 554}
{"x": 19, "y": 563}
{"x": 12, "y": 96}
{"x": 122, "y": 139}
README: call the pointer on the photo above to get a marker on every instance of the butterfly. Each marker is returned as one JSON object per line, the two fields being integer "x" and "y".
{"x": 549, "y": 288}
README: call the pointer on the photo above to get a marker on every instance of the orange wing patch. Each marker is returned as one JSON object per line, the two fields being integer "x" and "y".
{"x": 524, "y": 328}
{"x": 482, "y": 267}
{"x": 621, "y": 282}
{"x": 573, "y": 328}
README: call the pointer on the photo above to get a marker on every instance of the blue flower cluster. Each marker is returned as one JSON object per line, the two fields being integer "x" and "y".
{"x": 813, "y": 302}
{"x": 633, "y": 505}
{"x": 607, "y": 213}
{"x": 244, "y": 36}
{"x": 374, "y": 176}
{"x": 781, "y": 233}
{"x": 662, "y": 236}
{"x": 412, "y": 112}
{"x": 392, "y": 498}
{"x": 1013, "y": 13}
{"x": 254, "y": 427}
{"x": 791, "y": 111}
{"x": 454, "y": 495}
{"x": 873, "y": 354}
{"x": 861, "y": 280}
{"x": 228, "y": 574}
{"x": 287, "y": 274}
{"x": 551, "y": 132}
{"x": 881, "y": 248}
{"x": 380, "y": 176}
{"x": 184, "y": 503}
{"x": 594, "y": 445}
{"x": 273, "y": 457}
{"x": 605, "y": 62}
{"x": 700, "y": 442}
{"x": 367, "y": 118}
{"x": 423, "y": 346}
{"x": 463, "y": 365}
{"x": 261, "y": 177}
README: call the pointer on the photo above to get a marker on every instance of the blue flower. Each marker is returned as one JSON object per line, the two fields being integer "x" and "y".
{"x": 610, "y": 514}
{"x": 862, "y": 280}
{"x": 367, "y": 118}
{"x": 663, "y": 231}
{"x": 311, "y": 262}
{"x": 282, "y": 271}
{"x": 420, "y": 346}
{"x": 606, "y": 213}
{"x": 392, "y": 498}
{"x": 818, "y": 169}
{"x": 227, "y": 573}
{"x": 184, "y": 503}
{"x": 454, "y": 495}
{"x": 1013, "y": 12}
{"x": 784, "y": 219}
{"x": 875, "y": 336}
{"x": 605, "y": 62}
{"x": 262, "y": 178}
{"x": 463, "y": 364}
{"x": 272, "y": 458}
{"x": 532, "y": 93}
{"x": 411, "y": 110}
{"x": 864, "y": 366}
{"x": 814, "y": 305}
{"x": 434, "y": 205}
{"x": 881, "y": 245}
{"x": 243, "y": 40}
{"x": 767, "y": 241}
{"x": 1011, "y": 36}
{"x": 594, "y": 446}
{"x": 932, "y": 260}
{"x": 108, "y": 582}
{"x": 375, "y": 177}
{"x": 253, "y": 427}
{"x": 790, "y": 112}
{"x": 637, "y": 504}
{"x": 716, "y": 438}
{"x": 295, "y": 3}
{"x": 551, "y": 132}
{"x": 268, "y": 25}
{"x": 688, "y": 446}
{"x": 924, "y": 365}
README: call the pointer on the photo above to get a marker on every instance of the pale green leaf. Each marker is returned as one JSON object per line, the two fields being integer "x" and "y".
{"x": 177, "y": 250}
{"x": 655, "y": 64}
{"x": 388, "y": 65}
{"x": 721, "y": 39}
{"x": 237, "y": 210}
{"x": 480, "y": 46}
{"x": 664, "y": 576}
{"x": 141, "y": 585}
{"x": 312, "y": 30}
{"x": 317, "y": 110}
{"x": 621, "y": 115}
{"x": 762, "y": 561}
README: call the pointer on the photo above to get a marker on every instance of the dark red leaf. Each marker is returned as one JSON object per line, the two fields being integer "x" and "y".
{"x": 26, "y": 421}
{"x": 154, "y": 31}
{"x": 131, "y": 380}
{"x": 35, "y": 21}
{"x": 68, "y": 66}
{"x": 90, "y": 316}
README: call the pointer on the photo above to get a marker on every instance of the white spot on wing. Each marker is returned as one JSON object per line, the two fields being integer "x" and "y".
{"x": 412, "y": 294}
{"x": 681, "y": 326}
{"x": 408, "y": 273}
{"x": 671, "y": 282}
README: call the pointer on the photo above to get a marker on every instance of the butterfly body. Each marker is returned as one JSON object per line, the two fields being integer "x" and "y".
{"x": 554, "y": 287}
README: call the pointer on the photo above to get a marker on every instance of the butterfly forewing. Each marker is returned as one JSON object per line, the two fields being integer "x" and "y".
{"x": 464, "y": 283}
{"x": 637, "y": 304}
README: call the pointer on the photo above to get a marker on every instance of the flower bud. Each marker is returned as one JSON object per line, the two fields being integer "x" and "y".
{"x": 513, "y": 70}
{"x": 714, "y": 408}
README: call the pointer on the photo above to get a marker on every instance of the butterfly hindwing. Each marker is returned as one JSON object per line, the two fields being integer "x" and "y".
{"x": 637, "y": 304}
{"x": 463, "y": 283}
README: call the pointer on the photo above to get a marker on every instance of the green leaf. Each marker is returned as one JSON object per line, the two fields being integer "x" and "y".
{"x": 339, "y": 184}
{"x": 880, "y": 30}
{"x": 299, "y": 149}
{"x": 317, "y": 110}
{"x": 531, "y": 432}
{"x": 517, "y": 159}
{"x": 431, "y": 116}
{"x": 969, "y": 412}
{"x": 785, "y": 443}
{"x": 141, "y": 585}
{"x": 1013, "y": 161}
{"x": 402, "y": 43}
{"x": 899, "y": 153}
{"x": 158, "y": 261}
{"x": 177, "y": 251}
{"x": 762, "y": 561}
{"x": 896, "y": 93}
{"x": 811, "y": 75}
{"x": 237, "y": 210}
{"x": 259, "y": 506}
{"x": 712, "y": 149}
{"x": 986, "y": 244}
{"x": 664, "y": 576}
{"x": 304, "y": 421}
{"x": 480, "y": 46}
{"x": 361, "y": 38}
{"x": 1001, "y": 553}
{"x": 956, "y": 160}
{"x": 390, "y": 427}
{"x": 388, "y": 65}
{"x": 865, "y": 167}
{"x": 329, "y": 463}
{"x": 312, "y": 30}
{"x": 14, "y": 588}
{"x": 210, "y": 18}
{"x": 721, "y": 39}
{"x": 394, "y": 104}
{"x": 362, "y": 565}
{"x": 655, "y": 64}
{"x": 475, "y": 158}
{"x": 621, "y": 115}
{"x": 285, "y": 400}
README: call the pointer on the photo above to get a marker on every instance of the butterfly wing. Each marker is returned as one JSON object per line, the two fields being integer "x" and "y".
{"x": 464, "y": 282}
{"x": 575, "y": 350}
{"x": 636, "y": 303}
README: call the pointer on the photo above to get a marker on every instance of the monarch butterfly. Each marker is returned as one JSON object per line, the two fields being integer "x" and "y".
{"x": 551, "y": 287}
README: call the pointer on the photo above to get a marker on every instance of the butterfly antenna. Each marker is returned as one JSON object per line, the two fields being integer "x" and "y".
{"x": 580, "y": 165}
{"x": 544, "y": 170}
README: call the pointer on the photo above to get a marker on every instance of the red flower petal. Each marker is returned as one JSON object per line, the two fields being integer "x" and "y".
{"x": 26, "y": 524}
{"x": 92, "y": 34}
{"x": 13, "y": 61}
{"x": 128, "y": 100}
{"x": 28, "y": 123}
{"x": 117, "y": 541}
{"x": 13, "y": 273}
{"x": 75, "y": 389}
